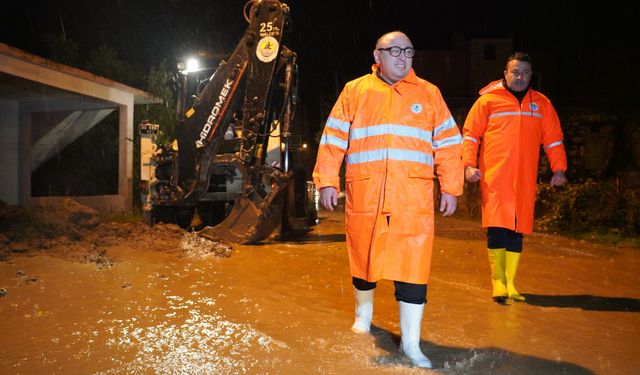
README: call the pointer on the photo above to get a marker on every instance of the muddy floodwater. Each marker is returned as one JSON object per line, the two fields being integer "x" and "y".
{"x": 286, "y": 308}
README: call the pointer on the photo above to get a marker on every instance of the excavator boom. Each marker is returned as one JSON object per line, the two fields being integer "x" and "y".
{"x": 253, "y": 93}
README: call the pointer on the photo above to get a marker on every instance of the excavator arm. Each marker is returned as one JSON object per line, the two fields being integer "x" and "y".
{"x": 253, "y": 90}
{"x": 250, "y": 70}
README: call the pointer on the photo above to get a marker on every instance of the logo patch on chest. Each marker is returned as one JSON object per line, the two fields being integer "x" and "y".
{"x": 416, "y": 108}
{"x": 533, "y": 106}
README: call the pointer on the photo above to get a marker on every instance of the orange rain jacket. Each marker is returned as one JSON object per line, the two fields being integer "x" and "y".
{"x": 509, "y": 135}
{"x": 392, "y": 137}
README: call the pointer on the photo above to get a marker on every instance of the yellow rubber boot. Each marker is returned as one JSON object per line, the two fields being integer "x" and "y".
{"x": 497, "y": 262}
{"x": 510, "y": 272}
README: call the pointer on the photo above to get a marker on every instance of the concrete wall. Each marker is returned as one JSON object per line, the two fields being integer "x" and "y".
{"x": 9, "y": 145}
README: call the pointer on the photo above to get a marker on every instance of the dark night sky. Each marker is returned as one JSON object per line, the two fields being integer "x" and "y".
{"x": 334, "y": 38}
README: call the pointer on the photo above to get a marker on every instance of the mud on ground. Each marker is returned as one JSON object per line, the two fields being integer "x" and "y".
{"x": 72, "y": 231}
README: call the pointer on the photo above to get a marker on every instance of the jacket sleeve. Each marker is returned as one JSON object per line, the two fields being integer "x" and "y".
{"x": 472, "y": 132}
{"x": 552, "y": 139}
{"x": 447, "y": 149}
{"x": 333, "y": 144}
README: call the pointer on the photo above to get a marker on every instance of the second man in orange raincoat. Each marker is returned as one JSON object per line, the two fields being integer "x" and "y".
{"x": 508, "y": 124}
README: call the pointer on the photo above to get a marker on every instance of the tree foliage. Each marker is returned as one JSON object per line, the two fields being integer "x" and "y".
{"x": 104, "y": 61}
{"x": 605, "y": 207}
{"x": 61, "y": 49}
{"x": 160, "y": 82}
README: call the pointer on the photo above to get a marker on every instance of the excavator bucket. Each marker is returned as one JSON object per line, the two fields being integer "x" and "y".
{"x": 256, "y": 213}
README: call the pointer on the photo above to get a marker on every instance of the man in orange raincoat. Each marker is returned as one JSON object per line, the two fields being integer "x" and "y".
{"x": 508, "y": 123}
{"x": 392, "y": 129}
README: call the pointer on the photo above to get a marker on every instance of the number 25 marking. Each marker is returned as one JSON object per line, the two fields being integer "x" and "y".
{"x": 266, "y": 27}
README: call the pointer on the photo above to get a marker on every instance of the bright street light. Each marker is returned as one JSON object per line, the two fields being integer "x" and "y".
{"x": 192, "y": 65}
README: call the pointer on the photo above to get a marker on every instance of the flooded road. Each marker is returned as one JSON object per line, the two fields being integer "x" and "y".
{"x": 286, "y": 308}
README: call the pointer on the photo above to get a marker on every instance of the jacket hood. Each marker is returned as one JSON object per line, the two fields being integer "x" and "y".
{"x": 493, "y": 86}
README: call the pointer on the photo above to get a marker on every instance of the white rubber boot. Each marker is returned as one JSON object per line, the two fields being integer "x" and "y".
{"x": 364, "y": 311}
{"x": 410, "y": 322}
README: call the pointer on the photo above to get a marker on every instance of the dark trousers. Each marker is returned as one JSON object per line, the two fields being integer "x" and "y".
{"x": 503, "y": 238}
{"x": 405, "y": 292}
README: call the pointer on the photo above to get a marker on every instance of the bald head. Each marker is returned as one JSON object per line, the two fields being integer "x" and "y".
{"x": 384, "y": 40}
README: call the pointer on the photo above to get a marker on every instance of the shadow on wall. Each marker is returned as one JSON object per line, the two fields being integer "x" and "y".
{"x": 585, "y": 302}
{"x": 453, "y": 360}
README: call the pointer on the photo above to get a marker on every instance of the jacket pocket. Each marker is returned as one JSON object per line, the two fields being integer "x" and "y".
{"x": 418, "y": 192}
{"x": 361, "y": 194}
{"x": 425, "y": 173}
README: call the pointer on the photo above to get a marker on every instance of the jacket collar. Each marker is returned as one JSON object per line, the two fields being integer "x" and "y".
{"x": 499, "y": 86}
{"x": 410, "y": 78}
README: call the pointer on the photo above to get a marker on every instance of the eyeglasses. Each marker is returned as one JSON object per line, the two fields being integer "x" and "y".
{"x": 395, "y": 51}
{"x": 521, "y": 73}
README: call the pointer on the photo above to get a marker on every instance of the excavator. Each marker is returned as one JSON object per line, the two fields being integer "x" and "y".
{"x": 220, "y": 175}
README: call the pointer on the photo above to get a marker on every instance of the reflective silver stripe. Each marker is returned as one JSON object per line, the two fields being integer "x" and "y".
{"x": 453, "y": 140}
{"x": 554, "y": 144}
{"x": 408, "y": 155}
{"x": 391, "y": 154}
{"x": 399, "y": 130}
{"x": 469, "y": 138}
{"x": 334, "y": 123}
{"x": 333, "y": 140}
{"x": 447, "y": 124}
{"x": 502, "y": 114}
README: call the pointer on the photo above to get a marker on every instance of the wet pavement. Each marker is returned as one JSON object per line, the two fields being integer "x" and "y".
{"x": 286, "y": 308}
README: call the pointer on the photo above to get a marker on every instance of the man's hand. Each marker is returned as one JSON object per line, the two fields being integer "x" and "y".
{"x": 448, "y": 204}
{"x": 558, "y": 178}
{"x": 328, "y": 197}
{"x": 472, "y": 174}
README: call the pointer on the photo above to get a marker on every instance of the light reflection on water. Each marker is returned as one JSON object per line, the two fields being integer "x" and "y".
{"x": 202, "y": 343}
